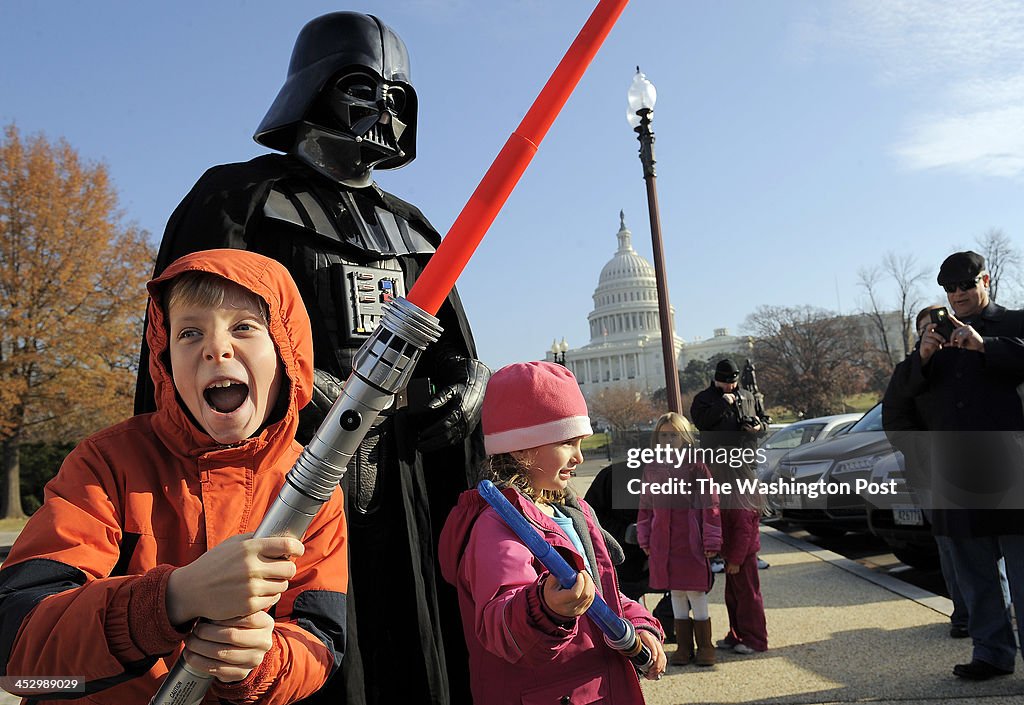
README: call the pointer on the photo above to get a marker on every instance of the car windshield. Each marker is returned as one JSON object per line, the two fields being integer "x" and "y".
{"x": 794, "y": 436}
{"x": 842, "y": 428}
{"x": 871, "y": 421}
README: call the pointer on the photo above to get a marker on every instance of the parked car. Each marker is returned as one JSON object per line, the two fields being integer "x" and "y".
{"x": 842, "y": 460}
{"x": 899, "y": 519}
{"x": 797, "y": 434}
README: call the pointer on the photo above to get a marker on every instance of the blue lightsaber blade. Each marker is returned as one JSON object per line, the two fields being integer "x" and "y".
{"x": 619, "y": 633}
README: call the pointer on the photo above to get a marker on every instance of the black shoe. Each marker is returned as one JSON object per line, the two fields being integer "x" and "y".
{"x": 979, "y": 671}
{"x": 958, "y": 632}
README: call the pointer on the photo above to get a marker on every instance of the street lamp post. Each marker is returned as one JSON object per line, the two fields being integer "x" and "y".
{"x": 642, "y": 96}
{"x": 559, "y": 350}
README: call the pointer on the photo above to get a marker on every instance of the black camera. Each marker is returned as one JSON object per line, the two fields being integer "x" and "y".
{"x": 749, "y": 422}
{"x": 943, "y": 326}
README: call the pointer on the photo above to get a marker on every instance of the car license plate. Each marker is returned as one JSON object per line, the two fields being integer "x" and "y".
{"x": 790, "y": 501}
{"x": 907, "y": 515}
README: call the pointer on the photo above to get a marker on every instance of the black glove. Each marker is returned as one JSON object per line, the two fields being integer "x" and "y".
{"x": 326, "y": 388}
{"x": 454, "y": 410}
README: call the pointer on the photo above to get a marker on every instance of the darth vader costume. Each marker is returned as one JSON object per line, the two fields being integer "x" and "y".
{"x": 346, "y": 108}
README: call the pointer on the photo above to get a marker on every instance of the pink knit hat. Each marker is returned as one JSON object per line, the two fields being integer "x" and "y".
{"x": 530, "y": 404}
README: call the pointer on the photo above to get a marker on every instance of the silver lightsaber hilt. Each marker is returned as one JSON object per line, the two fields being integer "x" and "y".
{"x": 381, "y": 368}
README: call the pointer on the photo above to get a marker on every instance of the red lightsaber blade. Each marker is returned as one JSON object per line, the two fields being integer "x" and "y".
{"x": 439, "y": 276}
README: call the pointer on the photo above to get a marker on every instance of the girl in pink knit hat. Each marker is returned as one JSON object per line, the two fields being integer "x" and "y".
{"x": 528, "y": 639}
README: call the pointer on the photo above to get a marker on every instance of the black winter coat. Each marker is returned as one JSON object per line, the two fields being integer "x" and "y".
{"x": 969, "y": 403}
{"x": 719, "y": 422}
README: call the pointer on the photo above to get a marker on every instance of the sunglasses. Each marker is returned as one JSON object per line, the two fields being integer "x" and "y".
{"x": 965, "y": 285}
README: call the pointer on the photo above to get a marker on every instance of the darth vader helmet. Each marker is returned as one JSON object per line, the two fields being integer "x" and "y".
{"x": 347, "y": 97}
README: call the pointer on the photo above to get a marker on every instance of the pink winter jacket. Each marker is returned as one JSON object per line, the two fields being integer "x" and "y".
{"x": 518, "y": 655}
{"x": 678, "y": 528}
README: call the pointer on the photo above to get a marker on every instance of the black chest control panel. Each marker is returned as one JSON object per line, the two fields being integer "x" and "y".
{"x": 367, "y": 289}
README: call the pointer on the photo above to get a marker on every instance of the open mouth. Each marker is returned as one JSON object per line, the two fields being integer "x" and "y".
{"x": 226, "y": 396}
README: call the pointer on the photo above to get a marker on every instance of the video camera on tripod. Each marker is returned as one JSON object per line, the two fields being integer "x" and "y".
{"x": 748, "y": 381}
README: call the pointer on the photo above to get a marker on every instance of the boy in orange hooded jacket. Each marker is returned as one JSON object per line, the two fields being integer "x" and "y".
{"x": 144, "y": 529}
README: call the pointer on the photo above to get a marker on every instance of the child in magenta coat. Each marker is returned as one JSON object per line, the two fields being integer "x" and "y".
{"x": 741, "y": 518}
{"x": 528, "y": 639}
{"x": 680, "y": 532}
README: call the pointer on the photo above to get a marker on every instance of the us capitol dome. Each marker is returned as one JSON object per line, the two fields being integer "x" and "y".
{"x": 625, "y": 331}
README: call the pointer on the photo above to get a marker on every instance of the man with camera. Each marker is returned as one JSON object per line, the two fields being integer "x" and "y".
{"x": 962, "y": 381}
{"x": 725, "y": 413}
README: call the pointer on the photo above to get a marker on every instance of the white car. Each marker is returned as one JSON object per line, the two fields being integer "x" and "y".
{"x": 800, "y": 433}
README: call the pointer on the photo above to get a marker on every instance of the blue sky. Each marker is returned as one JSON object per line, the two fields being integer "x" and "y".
{"x": 797, "y": 141}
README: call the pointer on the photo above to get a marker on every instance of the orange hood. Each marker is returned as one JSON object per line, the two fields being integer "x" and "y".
{"x": 289, "y": 329}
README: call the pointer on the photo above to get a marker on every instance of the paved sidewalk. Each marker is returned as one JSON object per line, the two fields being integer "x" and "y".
{"x": 837, "y": 634}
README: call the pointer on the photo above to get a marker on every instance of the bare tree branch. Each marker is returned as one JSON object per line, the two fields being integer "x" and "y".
{"x": 907, "y": 274}
{"x": 869, "y": 280}
{"x": 621, "y": 407}
{"x": 810, "y": 359}
{"x": 1002, "y": 258}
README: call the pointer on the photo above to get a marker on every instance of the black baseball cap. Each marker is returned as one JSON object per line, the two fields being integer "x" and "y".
{"x": 726, "y": 371}
{"x": 961, "y": 266}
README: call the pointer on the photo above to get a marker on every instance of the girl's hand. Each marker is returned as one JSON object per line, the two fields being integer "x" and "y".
{"x": 571, "y": 602}
{"x": 710, "y": 554}
{"x": 230, "y": 648}
{"x": 732, "y": 568}
{"x": 657, "y": 652}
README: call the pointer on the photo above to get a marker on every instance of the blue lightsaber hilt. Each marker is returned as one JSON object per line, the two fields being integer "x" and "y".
{"x": 619, "y": 633}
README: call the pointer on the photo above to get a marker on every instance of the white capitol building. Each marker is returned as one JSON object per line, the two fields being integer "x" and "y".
{"x": 625, "y": 333}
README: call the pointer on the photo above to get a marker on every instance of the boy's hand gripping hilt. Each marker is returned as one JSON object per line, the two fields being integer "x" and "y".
{"x": 382, "y": 367}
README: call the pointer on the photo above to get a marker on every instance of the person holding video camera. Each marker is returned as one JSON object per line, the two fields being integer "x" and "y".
{"x": 963, "y": 379}
{"x": 725, "y": 413}
{"x": 728, "y": 416}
